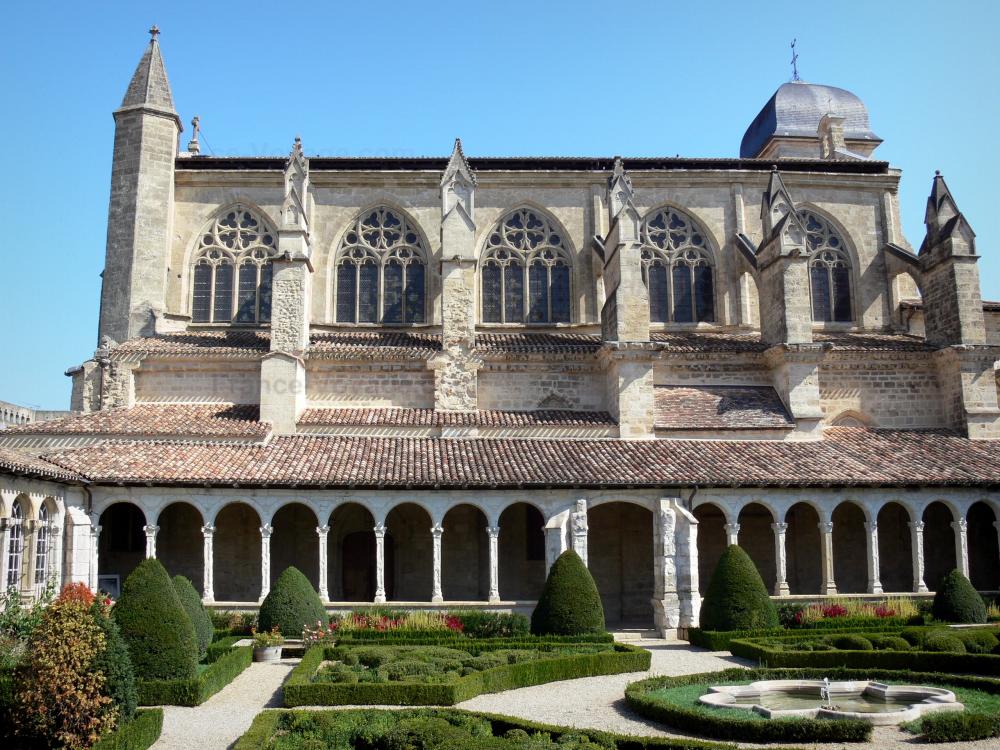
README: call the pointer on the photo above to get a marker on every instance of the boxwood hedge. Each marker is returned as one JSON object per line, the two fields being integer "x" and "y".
{"x": 196, "y": 690}
{"x": 301, "y": 691}
{"x": 138, "y": 734}
{"x": 718, "y": 640}
{"x": 959, "y": 726}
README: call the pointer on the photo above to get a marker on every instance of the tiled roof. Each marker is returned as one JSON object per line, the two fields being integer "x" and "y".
{"x": 537, "y": 343}
{"x": 215, "y": 341}
{"x": 847, "y": 457}
{"x": 897, "y": 342}
{"x": 695, "y": 342}
{"x": 16, "y": 462}
{"x": 917, "y": 304}
{"x": 721, "y": 407}
{"x": 431, "y": 418}
{"x": 195, "y": 420}
{"x": 375, "y": 344}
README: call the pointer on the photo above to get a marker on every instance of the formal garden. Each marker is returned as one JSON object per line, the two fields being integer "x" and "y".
{"x": 81, "y": 671}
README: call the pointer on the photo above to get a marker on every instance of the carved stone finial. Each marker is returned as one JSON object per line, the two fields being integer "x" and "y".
{"x": 193, "y": 146}
{"x": 154, "y": 32}
{"x": 620, "y": 191}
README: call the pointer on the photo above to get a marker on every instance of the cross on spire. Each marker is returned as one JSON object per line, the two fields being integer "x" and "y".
{"x": 154, "y": 32}
{"x": 795, "y": 62}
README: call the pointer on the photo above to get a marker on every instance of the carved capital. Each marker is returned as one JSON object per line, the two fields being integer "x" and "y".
{"x": 208, "y": 530}
{"x": 917, "y": 526}
{"x": 380, "y": 530}
{"x": 322, "y": 530}
{"x": 779, "y": 528}
{"x": 437, "y": 530}
{"x": 493, "y": 531}
{"x": 266, "y": 530}
{"x": 825, "y": 527}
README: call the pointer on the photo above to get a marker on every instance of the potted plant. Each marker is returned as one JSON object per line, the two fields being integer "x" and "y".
{"x": 267, "y": 645}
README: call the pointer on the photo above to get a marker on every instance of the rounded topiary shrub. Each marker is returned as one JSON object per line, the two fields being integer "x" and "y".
{"x": 114, "y": 662}
{"x": 570, "y": 603}
{"x": 191, "y": 602}
{"x": 944, "y": 643}
{"x": 978, "y": 641}
{"x": 957, "y": 601}
{"x": 891, "y": 643}
{"x": 736, "y": 598}
{"x": 291, "y": 605}
{"x": 157, "y": 630}
{"x": 851, "y": 642}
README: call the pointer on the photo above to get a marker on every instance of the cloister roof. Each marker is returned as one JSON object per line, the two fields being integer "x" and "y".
{"x": 719, "y": 407}
{"x": 846, "y": 457}
{"x": 432, "y": 418}
{"x": 16, "y": 462}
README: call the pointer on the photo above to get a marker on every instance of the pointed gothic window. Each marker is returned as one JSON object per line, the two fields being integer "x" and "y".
{"x": 380, "y": 275}
{"x": 525, "y": 273}
{"x": 42, "y": 545}
{"x": 677, "y": 267}
{"x": 15, "y": 545}
{"x": 829, "y": 272}
{"x": 231, "y": 282}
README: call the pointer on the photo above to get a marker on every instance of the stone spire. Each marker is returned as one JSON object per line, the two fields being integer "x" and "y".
{"x": 149, "y": 86}
{"x": 944, "y": 220}
{"x": 776, "y": 204}
{"x": 458, "y": 185}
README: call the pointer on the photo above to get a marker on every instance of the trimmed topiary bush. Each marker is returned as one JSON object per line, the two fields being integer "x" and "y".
{"x": 959, "y": 726}
{"x": 736, "y": 598}
{"x": 891, "y": 643}
{"x": 191, "y": 601}
{"x": 159, "y": 634}
{"x": 852, "y": 643}
{"x": 978, "y": 641}
{"x": 570, "y": 603}
{"x": 944, "y": 643}
{"x": 291, "y": 605}
{"x": 114, "y": 663}
{"x": 957, "y": 601}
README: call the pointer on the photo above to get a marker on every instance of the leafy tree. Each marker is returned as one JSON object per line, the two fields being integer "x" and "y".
{"x": 736, "y": 598}
{"x": 570, "y": 603}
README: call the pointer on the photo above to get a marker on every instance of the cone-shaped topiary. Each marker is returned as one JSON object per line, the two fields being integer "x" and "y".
{"x": 115, "y": 664}
{"x": 957, "y": 601}
{"x": 191, "y": 602}
{"x": 736, "y": 598}
{"x": 157, "y": 630}
{"x": 291, "y": 605}
{"x": 570, "y": 603}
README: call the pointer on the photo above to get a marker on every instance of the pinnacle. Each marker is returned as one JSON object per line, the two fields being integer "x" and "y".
{"x": 149, "y": 85}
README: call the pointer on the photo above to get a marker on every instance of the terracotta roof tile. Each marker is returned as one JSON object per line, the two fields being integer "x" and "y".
{"x": 225, "y": 341}
{"x": 897, "y": 342}
{"x": 537, "y": 343}
{"x": 375, "y": 344}
{"x": 722, "y": 407}
{"x": 17, "y": 462}
{"x": 847, "y": 457}
{"x": 709, "y": 341}
{"x": 432, "y": 418}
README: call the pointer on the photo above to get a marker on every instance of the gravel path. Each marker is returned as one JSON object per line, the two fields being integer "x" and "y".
{"x": 218, "y": 722}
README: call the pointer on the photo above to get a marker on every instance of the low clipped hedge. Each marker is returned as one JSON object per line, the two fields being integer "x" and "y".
{"x": 718, "y": 640}
{"x": 221, "y": 647}
{"x": 301, "y": 691}
{"x": 919, "y": 661}
{"x": 197, "y": 690}
{"x": 959, "y": 726}
{"x": 138, "y": 734}
{"x": 400, "y": 638}
{"x": 267, "y": 723}
{"x": 726, "y": 726}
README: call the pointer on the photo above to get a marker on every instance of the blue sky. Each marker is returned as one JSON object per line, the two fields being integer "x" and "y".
{"x": 510, "y": 78}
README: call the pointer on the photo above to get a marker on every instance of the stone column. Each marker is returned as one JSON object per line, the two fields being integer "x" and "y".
{"x": 917, "y": 551}
{"x": 380, "y": 563}
{"x": 151, "y": 531}
{"x": 265, "y": 560}
{"x": 322, "y": 532}
{"x": 579, "y": 528}
{"x": 494, "y": 535}
{"x": 780, "y": 560}
{"x": 961, "y": 528}
{"x": 829, "y": 586}
{"x": 208, "y": 571}
{"x": 54, "y": 572}
{"x": 437, "y": 530}
{"x": 874, "y": 577}
{"x": 732, "y": 534}
{"x": 95, "y": 543}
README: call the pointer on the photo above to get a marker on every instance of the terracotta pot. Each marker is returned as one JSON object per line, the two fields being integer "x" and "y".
{"x": 267, "y": 653}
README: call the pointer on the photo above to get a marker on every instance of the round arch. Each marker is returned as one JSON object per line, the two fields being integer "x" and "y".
{"x": 236, "y": 553}
{"x": 939, "y": 542}
{"x": 850, "y": 548}
{"x": 712, "y": 520}
{"x": 180, "y": 543}
{"x": 984, "y": 550}
{"x": 409, "y": 544}
{"x": 465, "y": 554}
{"x": 295, "y": 541}
{"x": 620, "y": 558}
{"x": 351, "y": 554}
{"x": 756, "y": 538}
{"x": 802, "y": 549}
{"x": 522, "y": 551}
{"x": 895, "y": 549}
{"x": 122, "y": 544}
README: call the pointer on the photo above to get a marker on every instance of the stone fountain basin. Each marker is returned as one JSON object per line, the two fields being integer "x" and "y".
{"x": 874, "y": 702}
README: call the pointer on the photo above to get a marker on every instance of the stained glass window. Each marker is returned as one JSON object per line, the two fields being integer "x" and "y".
{"x": 829, "y": 272}
{"x": 673, "y": 240}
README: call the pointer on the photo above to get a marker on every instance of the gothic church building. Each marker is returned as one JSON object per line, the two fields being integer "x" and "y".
{"x": 419, "y": 380}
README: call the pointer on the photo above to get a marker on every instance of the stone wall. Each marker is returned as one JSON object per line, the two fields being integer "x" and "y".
{"x": 235, "y": 382}
{"x": 370, "y": 384}
{"x": 526, "y": 386}
{"x": 902, "y": 392}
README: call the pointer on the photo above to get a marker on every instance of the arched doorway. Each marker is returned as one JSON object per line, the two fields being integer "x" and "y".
{"x": 756, "y": 538}
{"x": 895, "y": 549}
{"x": 711, "y": 541}
{"x": 850, "y": 549}
{"x": 236, "y": 553}
{"x": 180, "y": 543}
{"x": 351, "y": 554}
{"x": 802, "y": 550}
{"x": 522, "y": 552}
{"x": 408, "y": 534}
{"x": 939, "y": 544}
{"x": 620, "y": 557}
{"x": 122, "y": 545}
{"x": 465, "y": 555}
{"x": 984, "y": 554}
{"x": 295, "y": 543}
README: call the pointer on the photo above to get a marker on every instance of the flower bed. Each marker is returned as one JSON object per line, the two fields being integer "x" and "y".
{"x": 458, "y": 730}
{"x": 673, "y": 701}
{"x": 453, "y": 679}
{"x": 219, "y": 673}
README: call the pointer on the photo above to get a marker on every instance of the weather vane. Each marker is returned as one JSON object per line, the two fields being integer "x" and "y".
{"x": 795, "y": 62}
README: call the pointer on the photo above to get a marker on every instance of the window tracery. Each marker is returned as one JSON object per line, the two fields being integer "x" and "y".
{"x": 525, "y": 271}
{"x": 381, "y": 271}
{"x": 232, "y": 271}
{"x": 829, "y": 271}
{"x": 42, "y": 545}
{"x": 677, "y": 267}
{"x": 15, "y": 544}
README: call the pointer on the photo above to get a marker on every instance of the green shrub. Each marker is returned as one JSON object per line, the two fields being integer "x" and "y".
{"x": 477, "y": 624}
{"x": 959, "y": 726}
{"x": 890, "y": 643}
{"x": 736, "y": 598}
{"x": 957, "y": 601}
{"x": 570, "y": 603}
{"x": 915, "y": 636}
{"x": 196, "y": 690}
{"x": 944, "y": 643}
{"x": 851, "y": 642}
{"x": 114, "y": 662}
{"x": 978, "y": 641}
{"x": 191, "y": 601}
{"x": 138, "y": 734}
{"x": 291, "y": 605}
{"x": 159, "y": 634}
